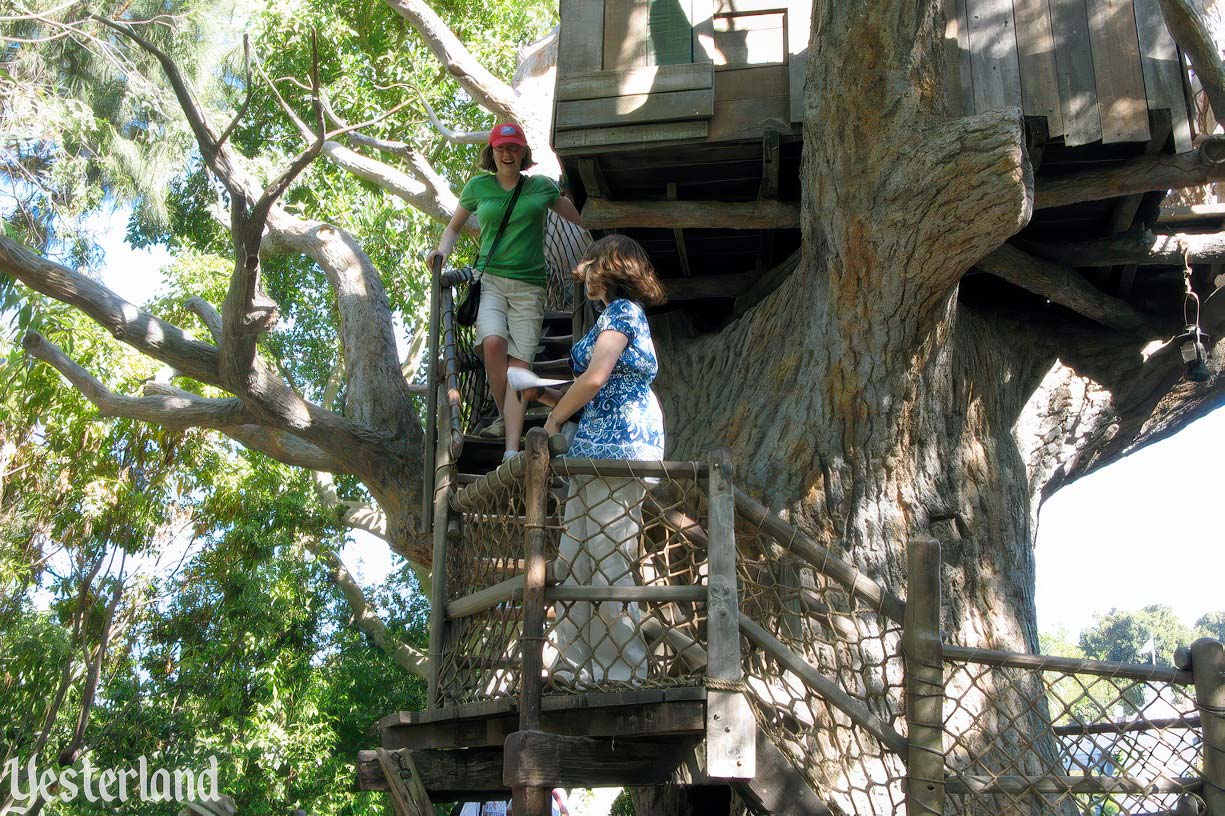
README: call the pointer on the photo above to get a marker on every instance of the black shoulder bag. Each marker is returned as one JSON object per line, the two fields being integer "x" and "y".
{"x": 465, "y": 315}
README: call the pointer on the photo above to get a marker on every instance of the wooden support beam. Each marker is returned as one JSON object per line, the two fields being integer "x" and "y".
{"x": 967, "y": 784}
{"x": 746, "y": 215}
{"x": 1067, "y": 287}
{"x": 707, "y": 286}
{"x": 535, "y": 759}
{"x": 1160, "y": 126}
{"x": 593, "y": 178}
{"x": 823, "y": 687}
{"x": 1144, "y": 249}
{"x": 667, "y": 718}
{"x": 730, "y": 726}
{"x": 678, "y": 235}
{"x": 1143, "y": 175}
{"x": 769, "y": 165}
{"x": 1137, "y": 176}
{"x": 1208, "y": 667}
{"x": 766, "y": 283}
{"x": 446, "y": 775}
{"x": 821, "y": 558}
{"x": 531, "y": 799}
{"x": 924, "y": 671}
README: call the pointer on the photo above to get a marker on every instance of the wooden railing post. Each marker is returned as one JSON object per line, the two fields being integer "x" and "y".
{"x": 731, "y": 730}
{"x": 533, "y": 801}
{"x": 924, "y": 669}
{"x": 441, "y": 501}
{"x": 1208, "y": 669}
{"x": 431, "y": 397}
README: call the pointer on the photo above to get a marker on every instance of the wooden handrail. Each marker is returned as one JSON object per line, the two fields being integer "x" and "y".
{"x": 450, "y": 362}
{"x": 1069, "y": 665}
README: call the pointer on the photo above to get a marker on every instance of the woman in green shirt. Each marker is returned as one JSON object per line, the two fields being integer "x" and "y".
{"x": 513, "y": 280}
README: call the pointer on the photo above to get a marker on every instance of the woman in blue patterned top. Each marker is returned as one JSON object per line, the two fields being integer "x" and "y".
{"x": 615, "y": 363}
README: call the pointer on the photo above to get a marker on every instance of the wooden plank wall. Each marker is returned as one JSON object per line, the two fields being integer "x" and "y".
{"x": 1093, "y": 69}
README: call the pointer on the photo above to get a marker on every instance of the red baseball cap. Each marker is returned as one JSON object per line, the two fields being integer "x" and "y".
{"x": 507, "y": 133}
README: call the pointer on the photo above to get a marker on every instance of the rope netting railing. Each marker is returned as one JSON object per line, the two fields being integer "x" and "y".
{"x": 625, "y": 592}
{"x": 628, "y": 602}
{"x": 1037, "y": 734}
{"x": 822, "y": 662}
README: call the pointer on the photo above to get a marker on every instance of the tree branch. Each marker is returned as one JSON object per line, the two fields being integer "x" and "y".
{"x": 175, "y": 408}
{"x": 1066, "y": 287}
{"x": 451, "y": 136}
{"x": 487, "y": 90}
{"x": 1193, "y": 37}
{"x": 142, "y": 331}
{"x": 414, "y": 661}
{"x": 208, "y": 315}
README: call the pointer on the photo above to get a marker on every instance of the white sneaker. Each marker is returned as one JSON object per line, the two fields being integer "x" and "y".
{"x": 508, "y": 455}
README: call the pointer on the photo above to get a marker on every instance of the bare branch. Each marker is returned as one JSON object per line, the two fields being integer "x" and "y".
{"x": 365, "y": 618}
{"x": 216, "y": 155}
{"x": 379, "y": 395}
{"x": 207, "y": 314}
{"x": 452, "y": 136}
{"x": 487, "y": 90}
{"x": 160, "y": 340}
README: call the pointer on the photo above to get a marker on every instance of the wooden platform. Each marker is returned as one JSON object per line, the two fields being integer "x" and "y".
{"x": 633, "y": 737}
{"x": 597, "y": 739}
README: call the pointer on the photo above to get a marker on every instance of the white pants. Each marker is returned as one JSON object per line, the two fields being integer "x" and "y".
{"x": 602, "y": 641}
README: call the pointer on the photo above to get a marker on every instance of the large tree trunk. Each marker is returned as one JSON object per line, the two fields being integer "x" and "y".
{"x": 870, "y": 399}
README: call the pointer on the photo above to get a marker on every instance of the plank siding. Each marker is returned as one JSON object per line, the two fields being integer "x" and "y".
{"x": 1039, "y": 75}
{"x": 799, "y": 27}
{"x": 635, "y": 109}
{"x": 1162, "y": 68}
{"x": 994, "y": 65}
{"x": 1116, "y": 68}
{"x": 653, "y": 79}
{"x": 957, "y": 50}
{"x": 578, "y": 140}
{"x": 1074, "y": 62}
{"x": 581, "y": 39}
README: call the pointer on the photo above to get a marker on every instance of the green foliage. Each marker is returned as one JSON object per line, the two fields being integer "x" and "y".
{"x": 623, "y": 805}
{"x": 1120, "y": 636}
{"x": 1212, "y": 624}
{"x": 228, "y": 638}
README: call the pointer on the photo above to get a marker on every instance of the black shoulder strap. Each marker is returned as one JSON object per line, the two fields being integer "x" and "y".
{"x": 510, "y": 207}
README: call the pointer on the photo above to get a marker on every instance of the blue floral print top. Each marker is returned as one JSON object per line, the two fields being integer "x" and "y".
{"x": 624, "y": 421}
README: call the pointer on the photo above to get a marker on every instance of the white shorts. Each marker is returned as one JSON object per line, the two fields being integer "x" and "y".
{"x": 511, "y": 309}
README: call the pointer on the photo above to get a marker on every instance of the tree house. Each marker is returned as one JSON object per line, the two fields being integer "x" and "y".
{"x": 701, "y": 101}
{"x": 679, "y": 123}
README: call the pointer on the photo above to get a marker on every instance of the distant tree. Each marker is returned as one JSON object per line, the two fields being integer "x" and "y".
{"x": 1121, "y": 635}
{"x": 1212, "y": 624}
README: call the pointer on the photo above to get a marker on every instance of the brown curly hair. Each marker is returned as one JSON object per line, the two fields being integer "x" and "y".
{"x": 487, "y": 163}
{"x": 620, "y": 266}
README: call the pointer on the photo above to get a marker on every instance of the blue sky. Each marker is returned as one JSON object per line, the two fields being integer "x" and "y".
{"x": 1143, "y": 531}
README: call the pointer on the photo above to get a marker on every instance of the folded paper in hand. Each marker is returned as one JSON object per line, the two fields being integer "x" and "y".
{"x": 521, "y": 378}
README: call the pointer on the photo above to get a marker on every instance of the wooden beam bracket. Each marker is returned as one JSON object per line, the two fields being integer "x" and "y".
{"x": 769, "y": 165}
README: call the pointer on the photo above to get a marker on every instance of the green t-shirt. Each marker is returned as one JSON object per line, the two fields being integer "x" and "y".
{"x": 520, "y": 254}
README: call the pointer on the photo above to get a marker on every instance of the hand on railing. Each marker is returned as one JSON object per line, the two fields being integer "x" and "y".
{"x": 435, "y": 260}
